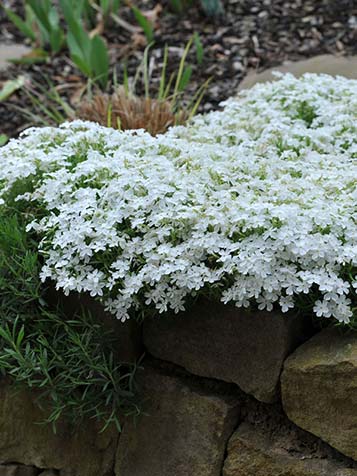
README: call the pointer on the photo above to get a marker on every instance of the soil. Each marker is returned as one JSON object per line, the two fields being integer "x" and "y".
{"x": 252, "y": 34}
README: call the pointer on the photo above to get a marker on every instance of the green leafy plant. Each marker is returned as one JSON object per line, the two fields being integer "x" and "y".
{"x": 48, "y": 20}
{"x": 106, "y": 8}
{"x": 10, "y": 87}
{"x": 212, "y": 8}
{"x": 71, "y": 360}
{"x": 92, "y": 12}
{"x": 25, "y": 25}
{"x": 89, "y": 54}
{"x": 179, "y": 6}
{"x": 144, "y": 23}
{"x": 37, "y": 55}
{"x": 78, "y": 9}
{"x": 3, "y": 139}
{"x": 41, "y": 24}
{"x": 109, "y": 6}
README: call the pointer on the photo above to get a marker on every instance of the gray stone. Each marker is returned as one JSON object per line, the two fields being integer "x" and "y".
{"x": 17, "y": 470}
{"x": 319, "y": 389}
{"x": 12, "y": 51}
{"x": 49, "y": 472}
{"x": 251, "y": 452}
{"x": 226, "y": 343}
{"x": 328, "y": 64}
{"x": 182, "y": 433}
{"x": 85, "y": 452}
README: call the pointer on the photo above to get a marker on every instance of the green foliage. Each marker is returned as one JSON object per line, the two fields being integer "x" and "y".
{"x": 76, "y": 13}
{"x": 179, "y": 6}
{"x": 306, "y": 112}
{"x": 71, "y": 360}
{"x": 108, "y": 7}
{"x": 3, "y": 139}
{"x": 10, "y": 87}
{"x": 41, "y": 24}
{"x": 212, "y": 8}
{"x": 89, "y": 54}
{"x": 48, "y": 22}
{"x": 145, "y": 24}
{"x": 24, "y": 25}
{"x": 37, "y": 55}
{"x": 199, "y": 48}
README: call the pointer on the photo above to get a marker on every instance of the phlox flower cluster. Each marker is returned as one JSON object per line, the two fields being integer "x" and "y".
{"x": 256, "y": 203}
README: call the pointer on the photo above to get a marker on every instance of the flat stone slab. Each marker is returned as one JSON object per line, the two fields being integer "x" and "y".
{"x": 251, "y": 452}
{"x": 319, "y": 389}
{"x": 226, "y": 343}
{"x": 328, "y": 64}
{"x": 182, "y": 431}
{"x": 12, "y": 51}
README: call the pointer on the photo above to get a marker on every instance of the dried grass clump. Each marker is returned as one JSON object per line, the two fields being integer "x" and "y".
{"x": 123, "y": 111}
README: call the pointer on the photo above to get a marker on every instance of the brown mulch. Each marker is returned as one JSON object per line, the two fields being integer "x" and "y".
{"x": 252, "y": 34}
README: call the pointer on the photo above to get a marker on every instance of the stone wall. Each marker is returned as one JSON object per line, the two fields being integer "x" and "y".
{"x": 226, "y": 392}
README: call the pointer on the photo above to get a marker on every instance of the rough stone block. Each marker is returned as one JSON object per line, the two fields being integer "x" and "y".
{"x": 253, "y": 453}
{"x": 85, "y": 452}
{"x": 17, "y": 470}
{"x": 226, "y": 343}
{"x": 182, "y": 433}
{"x": 319, "y": 389}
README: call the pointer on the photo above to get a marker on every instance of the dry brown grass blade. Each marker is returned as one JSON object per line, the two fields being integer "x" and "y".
{"x": 131, "y": 112}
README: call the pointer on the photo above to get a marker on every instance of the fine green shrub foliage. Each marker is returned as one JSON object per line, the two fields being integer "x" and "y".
{"x": 70, "y": 360}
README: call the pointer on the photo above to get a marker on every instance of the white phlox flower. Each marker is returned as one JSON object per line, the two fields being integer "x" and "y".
{"x": 256, "y": 202}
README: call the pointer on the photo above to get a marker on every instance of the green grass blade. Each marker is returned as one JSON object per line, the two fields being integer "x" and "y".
{"x": 163, "y": 74}
{"x": 145, "y": 24}
{"x": 182, "y": 66}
